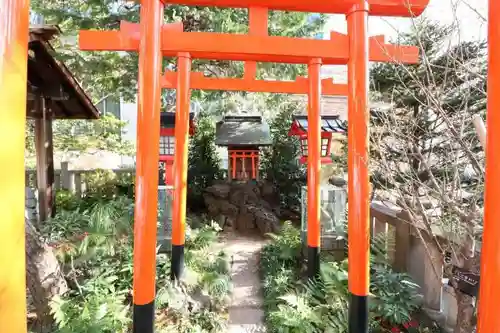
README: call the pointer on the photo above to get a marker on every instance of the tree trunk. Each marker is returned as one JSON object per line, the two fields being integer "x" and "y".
{"x": 465, "y": 318}
{"x": 466, "y": 322}
{"x": 44, "y": 278}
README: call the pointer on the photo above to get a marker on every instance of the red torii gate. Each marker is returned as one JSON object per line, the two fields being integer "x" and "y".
{"x": 168, "y": 40}
{"x": 14, "y": 25}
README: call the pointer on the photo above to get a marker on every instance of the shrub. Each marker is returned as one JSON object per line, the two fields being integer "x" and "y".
{"x": 204, "y": 162}
{"x": 279, "y": 162}
{"x": 321, "y": 306}
{"x": 101, "y": 186}
{"x": 94, "y": 246}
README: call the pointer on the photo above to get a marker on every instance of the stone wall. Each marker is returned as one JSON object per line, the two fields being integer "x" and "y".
{"x": 246, "y": 207}
{"x": 30, "y": 207}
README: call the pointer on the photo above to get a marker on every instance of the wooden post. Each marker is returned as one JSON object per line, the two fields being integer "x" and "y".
{"x": 78, "y": 184}
{"x": 65, "y": 177}
{"x": 314, "y": 170}
{"x": 44, "y": 160}
{"x": 379, "y": 227}
{"x": 359, "y": 185}
{"x": 180, "y": 164}
{"x": 403, "y": 234}
{"x": 148, "y": 155}
{"x": 57, "y": 180}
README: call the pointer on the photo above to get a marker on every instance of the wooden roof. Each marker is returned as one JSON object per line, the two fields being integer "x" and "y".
{"x": 242, "y": 131}
{"x": 50, "y": 78}
{"x": 167, "y": 119}
{"x": 337, "y": 106}
{"x": 329, "y": 124}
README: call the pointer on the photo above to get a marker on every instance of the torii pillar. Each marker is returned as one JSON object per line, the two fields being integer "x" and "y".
{"x": 146, "y": 179}
{"x": 14, "y": 34}
{"x": 488, "y": 318}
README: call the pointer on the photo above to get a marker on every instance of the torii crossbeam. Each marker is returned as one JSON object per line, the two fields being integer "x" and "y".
{"x": 239, "y": 47}
{"x": 404, "y": 8}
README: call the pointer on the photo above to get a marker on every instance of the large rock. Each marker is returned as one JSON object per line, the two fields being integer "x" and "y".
{"x": 245, "y": 206}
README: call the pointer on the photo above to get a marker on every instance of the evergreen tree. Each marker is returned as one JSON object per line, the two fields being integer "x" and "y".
{"x": 204, "y": 163}
{"x": 116, "y": 72}
{"x": 280, "y": 162}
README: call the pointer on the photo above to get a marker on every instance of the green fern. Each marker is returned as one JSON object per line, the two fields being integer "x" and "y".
{"x": 322, "y": 305}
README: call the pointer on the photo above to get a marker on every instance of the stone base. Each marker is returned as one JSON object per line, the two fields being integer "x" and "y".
{"x": 329, "y": 244}
{"x": 164, "y": 243}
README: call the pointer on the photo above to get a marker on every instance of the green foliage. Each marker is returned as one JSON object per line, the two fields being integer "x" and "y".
{"x": 396, "y": 296}
{"x": 279, "y": 268}
{"x": 340, "y": 160}
{"x": 94, "y": 244}
{"x": 279, "y": 163}
{"x": 102, "y": 73}
{"x": 286, "y": 246}
{"x": 321, "y": 306}
{"x": 107, "y": 185}
{"x": 93, "y": 314}
{"x": 204, "y": 163}
{"x": 66, "y": 200}
{"x": 101, "y": 186}
{"x": 452, "y": 75}
{"x": 80, "y": 136}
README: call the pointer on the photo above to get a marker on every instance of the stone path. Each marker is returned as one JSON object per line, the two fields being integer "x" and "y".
{"x": 245, "y": 312}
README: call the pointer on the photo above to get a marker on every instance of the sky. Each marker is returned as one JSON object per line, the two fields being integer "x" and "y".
{"x": 461, "y": 12}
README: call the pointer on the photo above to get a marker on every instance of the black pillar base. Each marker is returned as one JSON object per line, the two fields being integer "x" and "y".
{"x": 313, "y": 262}
{"x": 177, "y": 262}
{"x": 358, "y": 314}
{"x": 144, "y": 318}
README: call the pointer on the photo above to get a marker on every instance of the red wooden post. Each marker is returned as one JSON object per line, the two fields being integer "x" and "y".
{"x": 314, "y": 168}
{"x": 358, "y": 192}
{"x": 180, "y": 164}
{"x": 148, "y": 140}
{"x": 489, "y": 320}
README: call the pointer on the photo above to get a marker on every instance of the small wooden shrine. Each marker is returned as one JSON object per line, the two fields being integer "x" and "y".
{"x": 243, "y": 135}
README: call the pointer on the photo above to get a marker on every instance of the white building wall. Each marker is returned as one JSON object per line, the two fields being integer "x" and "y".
{"x": 128, "y": 113}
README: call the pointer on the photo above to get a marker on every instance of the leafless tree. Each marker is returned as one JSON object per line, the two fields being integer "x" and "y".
{"x": 427, "y": 158}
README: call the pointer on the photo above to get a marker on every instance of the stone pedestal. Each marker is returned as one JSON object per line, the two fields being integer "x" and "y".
{"x": 164, "y": 234}
{"x": 433, "y": 282}
{"x": 333, "y": 208}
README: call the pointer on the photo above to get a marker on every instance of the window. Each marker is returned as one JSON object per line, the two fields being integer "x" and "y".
{"x": 325, "y": 147}
{"x": 325, "y": 142}
{"x": 305, "y": 150}
{"x": 167, "y": 145}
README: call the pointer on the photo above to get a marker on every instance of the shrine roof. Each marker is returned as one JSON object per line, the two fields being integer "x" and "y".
{"x": 330, "y": 124}
{"x": 243, "y": 130}
{"x": 167, "y": 119}
{"x": 49, "y": 77}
